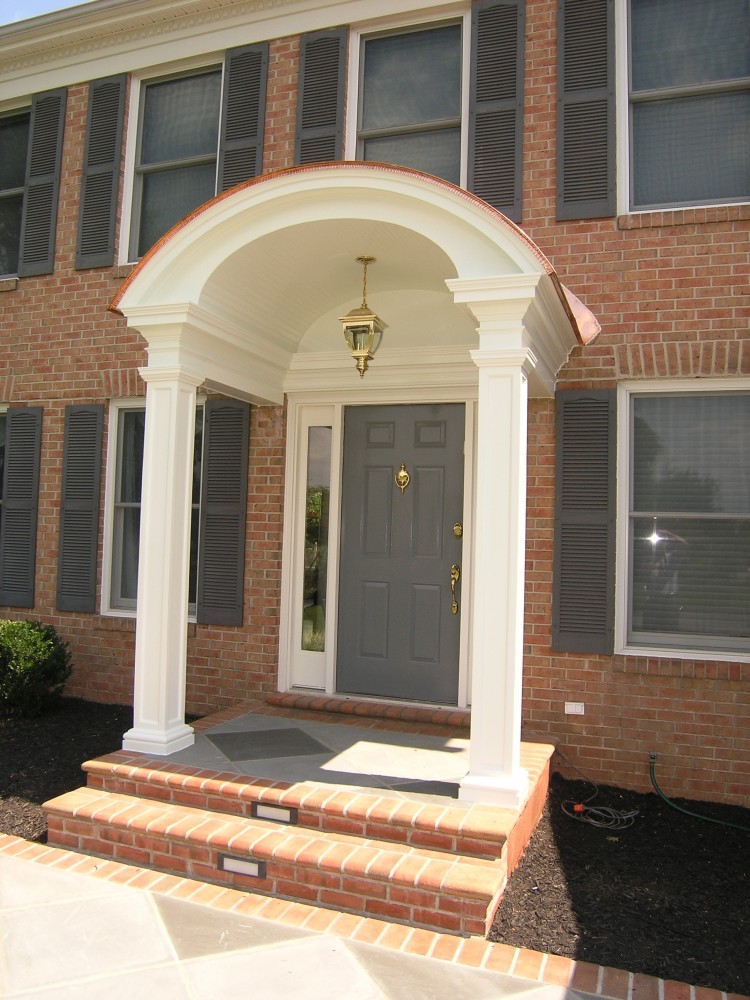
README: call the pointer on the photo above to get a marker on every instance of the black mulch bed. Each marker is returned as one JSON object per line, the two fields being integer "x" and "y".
{"x": 669, "y": 896}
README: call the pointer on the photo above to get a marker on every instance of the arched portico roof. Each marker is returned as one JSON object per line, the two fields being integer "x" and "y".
{"x": 269, "y": 265}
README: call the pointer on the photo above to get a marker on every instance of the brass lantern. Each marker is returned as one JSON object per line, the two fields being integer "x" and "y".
{"x": 362, "y": 328}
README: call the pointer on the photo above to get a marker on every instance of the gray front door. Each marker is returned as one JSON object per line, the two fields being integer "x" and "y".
{"x": 399, "y": 622}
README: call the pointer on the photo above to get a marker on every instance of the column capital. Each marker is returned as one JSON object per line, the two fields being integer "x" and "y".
{"x": 503, "y": 360}
{"x": 520, "y": 312}
{"x": 171, "y": 373}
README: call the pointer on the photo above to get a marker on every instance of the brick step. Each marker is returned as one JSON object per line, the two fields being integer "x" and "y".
{"x": 367, "y": 708}
{"x": 370, "y": 877}
{"x": 474, "y": 830}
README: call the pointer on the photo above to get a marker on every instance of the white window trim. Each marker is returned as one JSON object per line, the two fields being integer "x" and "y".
{"x": 394, "y": 24}
{"x": 307, "y": 670}
{"x": 137, "y": 81}
{"x": 108, "y": 546}
{"x": 626, "y": 390}
{"x": 623, "y": 146}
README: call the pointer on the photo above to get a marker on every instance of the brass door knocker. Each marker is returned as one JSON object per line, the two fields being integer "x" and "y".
{"x": 402, "y": 478}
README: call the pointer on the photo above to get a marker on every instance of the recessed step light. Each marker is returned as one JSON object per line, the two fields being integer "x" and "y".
{"x": 242, "y": 866}
{"x": 277, "y": 814}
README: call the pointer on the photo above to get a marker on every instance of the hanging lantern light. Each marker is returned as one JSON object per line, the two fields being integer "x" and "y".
{"x": 362, "y": 328}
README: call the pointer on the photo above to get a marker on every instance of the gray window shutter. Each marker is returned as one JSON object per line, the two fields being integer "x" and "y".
{"x": 79, "y": 509}
{"x": 101, "y": 173}
{"x": 586, "y": 109}
{"x": 320, "y": 98}
{"x": 584, "y": 553}
{"x": 223, "y": 510}
{"x": 37, "y": 252}
{"x": 496, "y": 104}
{"x": 243, "y": 109}
{"x": 23, "y": 444}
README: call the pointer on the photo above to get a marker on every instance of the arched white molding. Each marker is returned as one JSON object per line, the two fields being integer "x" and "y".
{"x": 263, "y": 262}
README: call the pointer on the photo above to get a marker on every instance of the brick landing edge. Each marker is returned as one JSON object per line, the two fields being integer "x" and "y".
{"x": 474, "y": 952}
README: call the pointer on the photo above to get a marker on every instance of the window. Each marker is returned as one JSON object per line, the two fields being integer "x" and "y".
{"x": 688, "y": 576}
{"x": 126, "y": 519}
{"x": 410, "y": 106}
{"x": 689, "y": 102}
{"x": 14, "y": 141}
{"x": 178, "y": 138}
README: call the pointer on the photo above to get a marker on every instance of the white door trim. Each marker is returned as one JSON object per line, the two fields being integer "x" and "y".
{"x": 301, "y": 669}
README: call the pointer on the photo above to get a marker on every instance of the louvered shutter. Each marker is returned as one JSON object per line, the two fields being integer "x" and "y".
{"x": 39, "y": 218}
{"x": 584, "y": 554}
{"x": 79, "y": 509}
{"x": 221, "y": 557}
{"x": 243, "y": 109}
{"x": 586, "y": 109}
{"x": 496, "y": 104}
{"x": 23, "y": 442}
{"x": 101, "y": 173}
{"x": 320, "y": 98}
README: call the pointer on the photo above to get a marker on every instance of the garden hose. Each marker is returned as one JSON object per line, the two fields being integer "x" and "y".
{"x": 604, "y": 817}
{"x": 689, "y": 812}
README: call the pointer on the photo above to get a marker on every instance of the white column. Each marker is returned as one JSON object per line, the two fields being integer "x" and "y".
{"x": 516, "y": 328}
{"x": 495, "y": 775}
{"x": 164, "y": 563}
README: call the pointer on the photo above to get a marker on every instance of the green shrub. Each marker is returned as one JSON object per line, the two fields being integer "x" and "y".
{"x": 34, "y": 665}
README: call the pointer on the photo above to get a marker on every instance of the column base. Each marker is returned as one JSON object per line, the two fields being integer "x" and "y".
{"x": 503, "y": 790}
{"x": 158, "y": 743}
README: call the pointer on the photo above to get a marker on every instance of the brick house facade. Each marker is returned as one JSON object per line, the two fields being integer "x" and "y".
{"x": 666, "y": 278}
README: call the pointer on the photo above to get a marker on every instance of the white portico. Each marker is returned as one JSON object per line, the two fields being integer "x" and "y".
{"x": 243, "y": 298}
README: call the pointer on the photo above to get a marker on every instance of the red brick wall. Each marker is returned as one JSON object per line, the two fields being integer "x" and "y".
{"x": 281, "y": 104}
{"x": 670, "y": 290}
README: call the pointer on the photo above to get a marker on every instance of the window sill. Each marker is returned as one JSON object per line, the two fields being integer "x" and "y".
{"x": 684, "y": 216}
{"x": 8, "y": 284}
{"x": 113, "y": 618}
{"x": 675, "y": 653}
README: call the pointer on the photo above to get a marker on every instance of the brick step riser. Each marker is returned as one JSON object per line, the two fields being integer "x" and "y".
{"x": 238, "y": 801}
{"x": 191, "y": 857}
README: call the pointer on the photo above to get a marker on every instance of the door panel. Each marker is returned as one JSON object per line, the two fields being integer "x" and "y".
{"x": 397, "y": 636}
{"x": 427, "y": 528}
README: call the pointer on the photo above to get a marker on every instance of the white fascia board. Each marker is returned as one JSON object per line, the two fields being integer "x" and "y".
{"x": 445, "y": 374}
{"x": 109, "y": 37}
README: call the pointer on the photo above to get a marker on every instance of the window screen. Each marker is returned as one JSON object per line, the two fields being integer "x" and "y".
{"x": 410, "y": 108}
{"x": 14, "y": 140}
{"x": 690, "y": 520}
{"x": 178, "y": 145}
{"x": 690, "y": 101}
{"x": 131, "y": 425}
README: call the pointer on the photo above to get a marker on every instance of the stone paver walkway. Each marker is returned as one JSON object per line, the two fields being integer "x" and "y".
{"x": 73, "y": 926}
